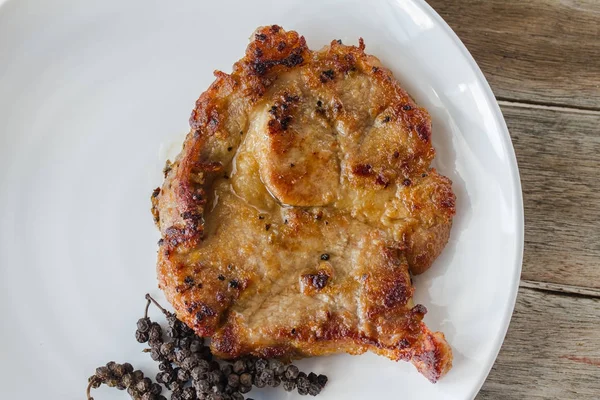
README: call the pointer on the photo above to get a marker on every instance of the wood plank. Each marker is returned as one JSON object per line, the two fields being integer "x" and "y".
{"x": 558, "y": 152}
{"x": 559, "y": 288}
{"x": 551, "y": 351}
{"x": 545, "y": 51}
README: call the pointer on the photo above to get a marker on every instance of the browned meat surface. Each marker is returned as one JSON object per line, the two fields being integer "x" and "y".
{"x": 300, "y": 201}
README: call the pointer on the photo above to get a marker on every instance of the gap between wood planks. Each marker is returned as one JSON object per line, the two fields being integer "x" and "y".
{"x": 560, "y": 289}
{"x": 548, "y": 106}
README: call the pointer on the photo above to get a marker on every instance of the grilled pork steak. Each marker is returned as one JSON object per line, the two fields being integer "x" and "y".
{"x": 302, "y": 198}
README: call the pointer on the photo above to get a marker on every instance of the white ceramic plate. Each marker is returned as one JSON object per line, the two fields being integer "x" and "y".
{"x": 94, "y": 95}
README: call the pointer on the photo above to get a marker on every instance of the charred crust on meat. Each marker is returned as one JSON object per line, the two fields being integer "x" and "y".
{"x": 281, "y": 113}
{"x": 382, "y": 181}
{"x": 337, "y": 107}
{"x": 199, "y": 317}
{"x": 226, "y": 342}
{"x": 191, "y": 216}
{"x": 424, "y": 132}
{"x": 221, "y": 297}
{"x": 234, "y": 284}
{"x": 419, "y": 309}
{"x": 362, "y": 170}
{"x": 175, "y": 236}
{"x": 198, "y": 197}
{"x": 206, "y": 310}
{"x": 327, "y": 75}
{"x": 189, "y": 281}
{"x": 214, "y": 166}
{"x": 398, "y": 295}
{"x": 202, "y": 311}
{"x": 167, "y": 168}
{"x": 273, "y": 351}
{"x": 403, "y": 344}
{"x": 316, "y": 281}
{"x": 272, "y": 54}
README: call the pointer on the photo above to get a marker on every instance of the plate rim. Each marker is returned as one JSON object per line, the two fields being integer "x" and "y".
{"x": 513, "y": 170}
{"x": 515, "y": 176}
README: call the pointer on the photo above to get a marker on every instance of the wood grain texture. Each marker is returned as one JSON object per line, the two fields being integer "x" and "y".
{"x": 558, "y": 152}
{"x": 560, "y": 288}
{"x": 544, "y": 51}
{"x": 551, "y": 351}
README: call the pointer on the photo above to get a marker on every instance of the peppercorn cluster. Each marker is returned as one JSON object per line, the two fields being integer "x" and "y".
{"x": 123, "y": 376}
{"x": 188, "y": 368}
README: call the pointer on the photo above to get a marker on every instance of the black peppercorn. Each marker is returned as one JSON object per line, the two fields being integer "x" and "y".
{"x": 188, "y": 393}
{"x": 147, "y": 396}
{"x": 164, "y": 365}
{"x": 322, "y": 380}
{"x": 196, "y": 345}
{"x": 236, "y": 396}
{"x": 185, "y": 342}
{"x": 181, "y": 354}
{"x": 103, "y": 372}
{"x": 144, "y": 385}
{"x": 261, "y": 364}
{"x": 214, "y": 366}
{"x": 246, "y": 379}
{"x": 202, "y": 385}
{"x": 245, "y": 389}
{"x": 302, "y": 391}
{"x": 239, "y": 366}
{"x": 314, "y": 389}
{"x": 141, "y": 337}
{"x": 183, "y": 375}
{"x": 128, "y": 380}
{"x": 233, "y": 380}
{"x": 166, "y": 349}
{"x": 143, "y": 324}
{"x": 291, "y": 372}
{"x": 173, "y": 333}
{"x": 226, "y": 369}
{"x": 156, "y": 389}
{"x": 288, "y": 386}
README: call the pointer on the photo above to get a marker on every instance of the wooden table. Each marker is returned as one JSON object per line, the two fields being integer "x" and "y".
{"x": 542, "y": 59}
